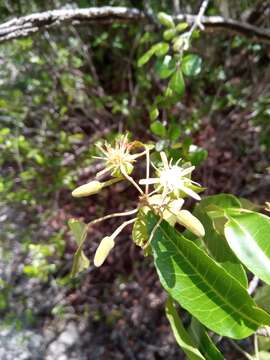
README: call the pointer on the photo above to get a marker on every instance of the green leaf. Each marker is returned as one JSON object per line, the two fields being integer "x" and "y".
{"x": 262, "y": 297}
{"x": 169, "y": 34}
{"x": 158, "y": 128}
{"x": 165, "y": 67}
{"x": 79, "y": 231}
{"x": 248, "y": 234}
{"x": 177, "y": 83}
{"x": 165, "y": 20}
{"x": 203, "y": 341}
{"x": 247, "y": 204}
{"x": 216, "y": 242}
{"x": 181, "y": 26}
{"x": 191, "y": 65}
{"x": 139, "y": 230}
{"x": 154, "y": 113}
{"x": 80, "y": 263}
{"x": 181, "y": 335}
{"x": 201, "y": 286}
{"x": 146, "y": 57}
{"x": 161, "y": 49}
{"x": 174, "y": 132}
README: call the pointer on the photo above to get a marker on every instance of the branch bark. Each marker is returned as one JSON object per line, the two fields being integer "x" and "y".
{"x": 30, "y": 24}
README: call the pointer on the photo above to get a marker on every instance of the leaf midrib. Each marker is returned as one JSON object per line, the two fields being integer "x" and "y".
{"x": 209, "y": 285}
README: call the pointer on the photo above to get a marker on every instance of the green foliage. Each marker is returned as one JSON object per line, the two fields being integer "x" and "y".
{"x": 247, "y": 234}
{"x": 203, "y": 341}
{"x": 177, "y": 83}
{"x": 191, "y": 65}
{"x": 181, "y": 335}
{"x": 202, "y": 287}
{"x": 79, "y": 231}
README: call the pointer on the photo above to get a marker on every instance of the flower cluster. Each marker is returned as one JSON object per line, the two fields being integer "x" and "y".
{"x": 171, "y": 184}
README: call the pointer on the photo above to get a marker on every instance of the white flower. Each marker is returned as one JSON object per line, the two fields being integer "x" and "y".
{"x": 117, "y": 158}
{"x": 172, "y": 179}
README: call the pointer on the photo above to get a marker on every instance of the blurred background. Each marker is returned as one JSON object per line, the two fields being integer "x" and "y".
{"x": 61, "y": 91}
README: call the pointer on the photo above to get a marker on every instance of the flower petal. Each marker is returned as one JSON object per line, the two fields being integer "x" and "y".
{"x": 187, "y": 170}
{"x": 189, "y": 192}
{"x": 149, "y": 181}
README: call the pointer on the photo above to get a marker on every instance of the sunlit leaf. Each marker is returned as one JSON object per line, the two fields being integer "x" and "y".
{"x": 191, "y": 65}
{"x": 201, "y": 286}
{"x": 165, "y": 67}
{"x": 214, "y": 240}
{"x": 248, "y": 234}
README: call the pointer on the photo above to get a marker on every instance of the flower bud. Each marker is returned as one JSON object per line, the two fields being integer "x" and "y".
{"x": 185, "y": 218}
{"x": 103, "y": 250}
{"x": 169, "y": 217}
{"x": 91, "y": 188}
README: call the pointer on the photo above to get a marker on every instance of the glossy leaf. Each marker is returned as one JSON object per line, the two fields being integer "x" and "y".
{"x": 165, "y": 67}
{"x": 181, "y": 335}
{"x": 201, "y": 286}
{"x": 214, "y": 241}
{"x": 203, "y": 341}
{"x": 177, "y": 83}
{"x": 248, "y": 234}
{"x": 191, "y": 65}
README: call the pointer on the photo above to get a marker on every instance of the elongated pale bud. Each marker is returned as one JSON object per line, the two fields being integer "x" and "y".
{"x": 174, "y": 207}
{"x": 91, "y": 188}
{"x": 103, "y": 250}
{"x": 169, "y": 217}
{"x": 185, "y": 218}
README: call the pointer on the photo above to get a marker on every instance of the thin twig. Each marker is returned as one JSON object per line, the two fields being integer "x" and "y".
{"x": 110, "y": 216}
{"x": 198, "y": 20}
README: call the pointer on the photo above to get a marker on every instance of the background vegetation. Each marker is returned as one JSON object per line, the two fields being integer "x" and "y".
{"x": 61, "y": 91}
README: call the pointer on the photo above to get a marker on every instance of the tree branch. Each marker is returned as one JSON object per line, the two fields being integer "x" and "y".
{"x": 30, "y": 24}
